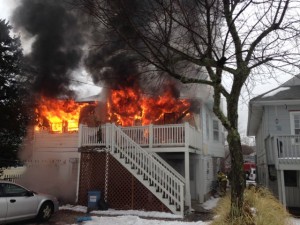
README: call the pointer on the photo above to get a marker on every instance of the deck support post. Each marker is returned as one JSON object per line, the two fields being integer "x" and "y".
{"x": 279, "y": 185}
{"x": 283, "y": 200}
{"x": 187, "y": 179}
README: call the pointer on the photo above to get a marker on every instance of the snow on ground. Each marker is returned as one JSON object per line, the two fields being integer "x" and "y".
{"x": 132, "y": 217}
{"x": 211, "y": 203}
{"x": 135, "y": 220}
{"x": 112, "y": 212}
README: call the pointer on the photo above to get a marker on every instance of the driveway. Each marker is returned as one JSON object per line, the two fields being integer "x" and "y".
{"x": 62, "y": 217}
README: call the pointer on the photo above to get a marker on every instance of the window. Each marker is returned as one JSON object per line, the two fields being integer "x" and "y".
{"x": 216, "y": 130}
{"x": 290, "y": 178}
{"x": 295, "y": 125}
{"x": 12, "y": 190}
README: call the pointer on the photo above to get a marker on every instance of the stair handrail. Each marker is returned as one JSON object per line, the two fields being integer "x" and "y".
{"x": 167, "y": 166}
{"x": 145, "y": 163}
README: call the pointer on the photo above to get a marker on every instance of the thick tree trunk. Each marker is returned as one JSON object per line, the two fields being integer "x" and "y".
{"x": 237, "y": 174}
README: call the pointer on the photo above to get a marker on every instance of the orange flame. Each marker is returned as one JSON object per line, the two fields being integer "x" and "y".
{"x": 127, "y": 106}
{"x": 58, "y": 115}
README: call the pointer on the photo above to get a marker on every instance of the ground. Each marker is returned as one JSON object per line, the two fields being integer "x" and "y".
{"x": 64, "y": 217}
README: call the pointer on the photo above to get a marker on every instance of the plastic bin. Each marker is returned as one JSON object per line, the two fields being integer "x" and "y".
{"x": 93, "y": 199}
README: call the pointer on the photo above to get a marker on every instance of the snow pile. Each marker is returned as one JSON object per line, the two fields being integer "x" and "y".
{"x": 112, "y": 212}
{"x": 134, "y": 220}
{"x": 211, "y": 203}
{"x": 76, "y": 208}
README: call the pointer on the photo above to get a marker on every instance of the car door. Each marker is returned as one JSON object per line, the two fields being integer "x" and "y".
{"x": 3, "y": 205}
{"x": 20, "y": 205}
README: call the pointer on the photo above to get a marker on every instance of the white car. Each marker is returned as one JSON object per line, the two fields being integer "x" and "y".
{"x": 252, "y": 175}
{"x": 18, "y": 203}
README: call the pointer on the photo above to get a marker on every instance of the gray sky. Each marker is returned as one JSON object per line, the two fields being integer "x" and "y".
{"x": 7, "y": 6}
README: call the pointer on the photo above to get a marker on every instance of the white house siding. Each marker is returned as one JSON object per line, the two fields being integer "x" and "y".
{"x": 45, "y": 141}
{"x": 279, "y": 118}
{"x": 208, "y": 165}
{"x": 210, "y": 146}
{"x": 53, "y": 160}
{"x": 292, "y": 196}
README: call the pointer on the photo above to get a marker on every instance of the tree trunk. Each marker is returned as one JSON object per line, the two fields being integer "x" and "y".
{"x": 237, "y": 174}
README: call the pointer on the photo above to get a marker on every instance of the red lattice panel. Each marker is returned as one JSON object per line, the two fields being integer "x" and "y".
{"x": 124, "y": 190}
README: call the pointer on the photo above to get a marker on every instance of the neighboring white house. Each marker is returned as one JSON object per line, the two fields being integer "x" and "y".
{"x": 193, "y": 149}
{"x": 274, "y": 120}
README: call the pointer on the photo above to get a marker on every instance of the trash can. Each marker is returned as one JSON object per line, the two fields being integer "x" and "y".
{"x": 93, "y": 199}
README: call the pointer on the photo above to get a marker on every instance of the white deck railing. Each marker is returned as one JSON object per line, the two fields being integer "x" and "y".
{"x": 152, "y": 136}
{"x": 283, "y": 149}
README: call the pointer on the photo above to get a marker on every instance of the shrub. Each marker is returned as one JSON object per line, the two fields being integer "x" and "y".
{"x": 260, "y": 208}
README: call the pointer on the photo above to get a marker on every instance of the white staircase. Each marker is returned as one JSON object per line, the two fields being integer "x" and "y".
{"x": 152, "y": 171}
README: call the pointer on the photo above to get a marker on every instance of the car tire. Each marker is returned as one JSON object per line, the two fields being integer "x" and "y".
{"x": 45, "y": 212}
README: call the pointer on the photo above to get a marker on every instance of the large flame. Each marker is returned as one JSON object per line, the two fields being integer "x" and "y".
{"x": 127, "y": 106}
{"x": 58, "y": 115}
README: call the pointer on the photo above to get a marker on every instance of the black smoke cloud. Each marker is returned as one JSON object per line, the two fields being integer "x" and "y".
{"x": 114, "y": 64}
{"x": 57, "y": 47}
{"x": 61, "y": 35}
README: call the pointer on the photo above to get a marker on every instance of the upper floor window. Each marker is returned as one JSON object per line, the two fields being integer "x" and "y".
{"x": 216, "y": 130}
{"x": 295, "y": 124}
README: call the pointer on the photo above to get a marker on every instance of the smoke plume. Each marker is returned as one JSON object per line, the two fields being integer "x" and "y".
{"x": 57, "y": 47}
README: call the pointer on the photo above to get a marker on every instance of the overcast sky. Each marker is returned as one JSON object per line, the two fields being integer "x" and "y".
{"x": 7, "y": 6}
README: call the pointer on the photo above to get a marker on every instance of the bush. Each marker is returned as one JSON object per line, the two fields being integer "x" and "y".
{"x": 260, "y": 208}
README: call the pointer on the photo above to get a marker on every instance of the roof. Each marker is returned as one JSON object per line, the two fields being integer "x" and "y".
{"x": 287, "y": 93}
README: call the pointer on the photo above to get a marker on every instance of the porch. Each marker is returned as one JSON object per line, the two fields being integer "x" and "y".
{"x": 152, "y": 138}
{"x": 283, "y": 151}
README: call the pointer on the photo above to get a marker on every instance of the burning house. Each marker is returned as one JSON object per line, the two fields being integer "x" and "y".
{"x": 141, "y": 152}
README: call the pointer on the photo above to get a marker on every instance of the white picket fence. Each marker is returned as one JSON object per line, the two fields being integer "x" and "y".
{"x": 12, "y": 174}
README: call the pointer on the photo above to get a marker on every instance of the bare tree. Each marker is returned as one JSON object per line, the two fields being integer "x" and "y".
{"x": 243, "y": 41}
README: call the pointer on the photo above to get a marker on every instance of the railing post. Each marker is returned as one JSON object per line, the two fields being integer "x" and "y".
{"x": 275, "y": 151}
{"x": 107, "y": 134}
{"x": 151, "y": 135}
{"x": 187, "y": 134}
{"x": 80, "y": 136}
{"x": 182, "y": 199}
{"x": 113, "y": 135}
